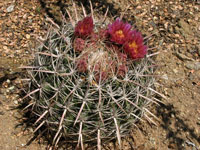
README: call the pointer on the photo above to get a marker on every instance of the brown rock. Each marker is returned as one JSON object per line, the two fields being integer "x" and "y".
{"x": 193, "y": 65}
{"x": 185, "y": 27}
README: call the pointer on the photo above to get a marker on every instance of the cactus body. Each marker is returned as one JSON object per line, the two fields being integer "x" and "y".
{"x": 87, "y": 88}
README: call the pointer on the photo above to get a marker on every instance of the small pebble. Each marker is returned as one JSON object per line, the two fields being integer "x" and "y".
{"x": 2, "y": 113}
{"x": 172, "y": 116}
{"x": 16, "y": 102}
{"x": 175, "y": 70}
{"x": 193, "y": 65}
{"x": 165, "y": 77}
{"x": 11, "y": 88}
{"x": 198, "y": 121}
{"x": 10, "y": 8}
{"x": 5, "y": 47}
{"x": 8, "y": 81}
{"x": 28, "y": 36}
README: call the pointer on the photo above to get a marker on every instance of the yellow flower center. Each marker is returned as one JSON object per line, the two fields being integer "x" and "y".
{"x": 134, "y": 46}
{"x": 120, "y": 33}
{"x": 82, "y": 29}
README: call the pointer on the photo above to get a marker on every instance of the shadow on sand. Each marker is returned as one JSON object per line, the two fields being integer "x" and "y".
{"x": 168, "y": 113}
{"x": 99, "y": 5}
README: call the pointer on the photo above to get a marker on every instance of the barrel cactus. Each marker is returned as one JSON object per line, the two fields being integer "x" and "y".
{"x": 90, "y": 81}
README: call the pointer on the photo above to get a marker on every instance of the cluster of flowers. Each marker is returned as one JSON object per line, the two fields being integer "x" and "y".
{"x": 119, "y": 34}
{"x": 131, "y": 40}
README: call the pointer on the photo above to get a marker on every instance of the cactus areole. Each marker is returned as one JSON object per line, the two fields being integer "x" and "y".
{"x": 90, "y": 82}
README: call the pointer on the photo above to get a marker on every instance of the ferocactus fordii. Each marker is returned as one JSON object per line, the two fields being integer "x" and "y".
{"x": 90, "y": 81}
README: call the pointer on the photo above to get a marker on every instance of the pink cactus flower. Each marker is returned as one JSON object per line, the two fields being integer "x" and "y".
{"x": 79, "y": 44}
{"x": 119, "y": 32}
{"x": 103, "y": 33}
{"x": 94, "y": 38}
{"x": 135, "y": 48}
{"x": 82, "y": 65}
{"x": 122, "y": 57}
{"x": 122, "y": 70}
{"x": 85, "y": 27}
{"x": 101, "y": 75}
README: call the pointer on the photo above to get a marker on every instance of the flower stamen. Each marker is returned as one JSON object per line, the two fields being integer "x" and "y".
{"x": 134, "y": 46}
{"x": 120, "y": 33}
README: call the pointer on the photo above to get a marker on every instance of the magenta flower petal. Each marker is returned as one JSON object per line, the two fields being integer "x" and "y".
{"x": 85, "y": 27}
{"x": 135, "y": 48}
{"x": 119, "y": 32}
